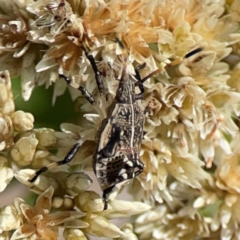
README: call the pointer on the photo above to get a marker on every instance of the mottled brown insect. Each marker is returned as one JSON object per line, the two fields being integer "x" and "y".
{"x": 119, "y": 137}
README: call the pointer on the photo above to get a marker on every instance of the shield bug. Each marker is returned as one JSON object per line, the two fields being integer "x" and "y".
{"x": 118, "y": 141}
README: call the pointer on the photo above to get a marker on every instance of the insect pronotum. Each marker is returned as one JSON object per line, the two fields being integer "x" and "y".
{"x": 119, "y": 137}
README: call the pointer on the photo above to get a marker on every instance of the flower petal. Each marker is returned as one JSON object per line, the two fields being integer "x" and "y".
{"x": 24, "y": 231}
{"x": 44, "y": 201}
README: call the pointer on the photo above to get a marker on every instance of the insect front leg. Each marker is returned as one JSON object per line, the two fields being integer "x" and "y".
{"x": 82, "y": 89}
{"x": 97, "y": 73}
{"x": 68, "y": 158}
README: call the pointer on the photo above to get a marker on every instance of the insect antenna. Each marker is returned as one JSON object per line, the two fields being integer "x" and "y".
{"x": 125, "y": 57}
{"x": 193, "y": 52}
{"x": 171, "y": 64}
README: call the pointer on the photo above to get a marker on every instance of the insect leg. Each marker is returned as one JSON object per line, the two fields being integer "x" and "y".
{"x": 105, "y": 192}
{"x": 68, "y": 158}
{"x": 139, "y": 82}
{"x": 82, "y": 89}
{"x": 98, "y": 75}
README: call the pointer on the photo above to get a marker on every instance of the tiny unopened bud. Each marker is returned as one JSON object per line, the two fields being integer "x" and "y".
{"x": 8, "y": 107}
{"x": 22, "y": 121}
{"x": 39, "y": 185}
{"x": 101, "y": 227}
{"x": 68, "y": 203}
{"x": 5, "y": 79}
{"x": 231, "y": 199}
{"x": 89, "y": 201}
{"x": 127, "y": 228}
{"x": 6, "y": 173}
{"x": 41, "y": 154}
{"x": 46, "y": 137}
{"x": 9, "y": 219}
{"x": 23, "y": 176}
{"x": 74, "y": 234}
{"x": 3, "y": 95}
{"x": 6, "y": 128}
{"x": 24, "y": 150}
{"x": 57, "y": 202}
{"x": 77, "y": 183}
{"x": 41, "y": 158}
{"x": 123, "y": 208}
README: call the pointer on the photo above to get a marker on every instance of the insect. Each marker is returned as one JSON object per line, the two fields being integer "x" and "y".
{"x": 57, "y": 16}
{"x": 119, "y": 137}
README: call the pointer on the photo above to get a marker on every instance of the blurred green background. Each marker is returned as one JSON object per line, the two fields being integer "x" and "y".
{"x": 47, "y": 116}
{"x": 40, "y": 105}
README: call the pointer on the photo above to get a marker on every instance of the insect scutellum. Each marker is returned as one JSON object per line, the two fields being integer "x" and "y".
{"x": 118, "y": 141}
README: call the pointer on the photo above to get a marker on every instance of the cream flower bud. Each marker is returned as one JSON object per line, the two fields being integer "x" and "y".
{"x": 77, "y": 183}
{"x": 8, "y": 107}
{"x": 125, "y": 208}
{"x": 24, "y": 150}
{"x": 231, "y": 199}
{"x": 57, "y": 202}
{"x": 6, "y": 129}
{"x": 43, "y": 182}
{"x": 41, "y": 158}
{"x": 6, "y": 173}
{"x": 46, "y": 137}
{"x": 101, "y": 227}
{"x": 9, "y": 219}
{"x": 5, "y": 79}
{"x": 23, "y": 176}
{"x": 89, "y": 202}
{"x": 3, "y": 95}
{"x": 22, "y": 121}
{"x": 68, "y": 203}
{"x": 128, "y": 230}
{"x": 6, "y": 132}
{"x": 39, "y": 185}
{"x": 74, "y": 234}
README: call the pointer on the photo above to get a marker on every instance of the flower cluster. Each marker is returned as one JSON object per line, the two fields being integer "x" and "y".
{"x": 189, "y": 188}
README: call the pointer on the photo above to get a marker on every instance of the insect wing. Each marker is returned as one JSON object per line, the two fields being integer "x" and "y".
{"x": 117, "y": 154}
